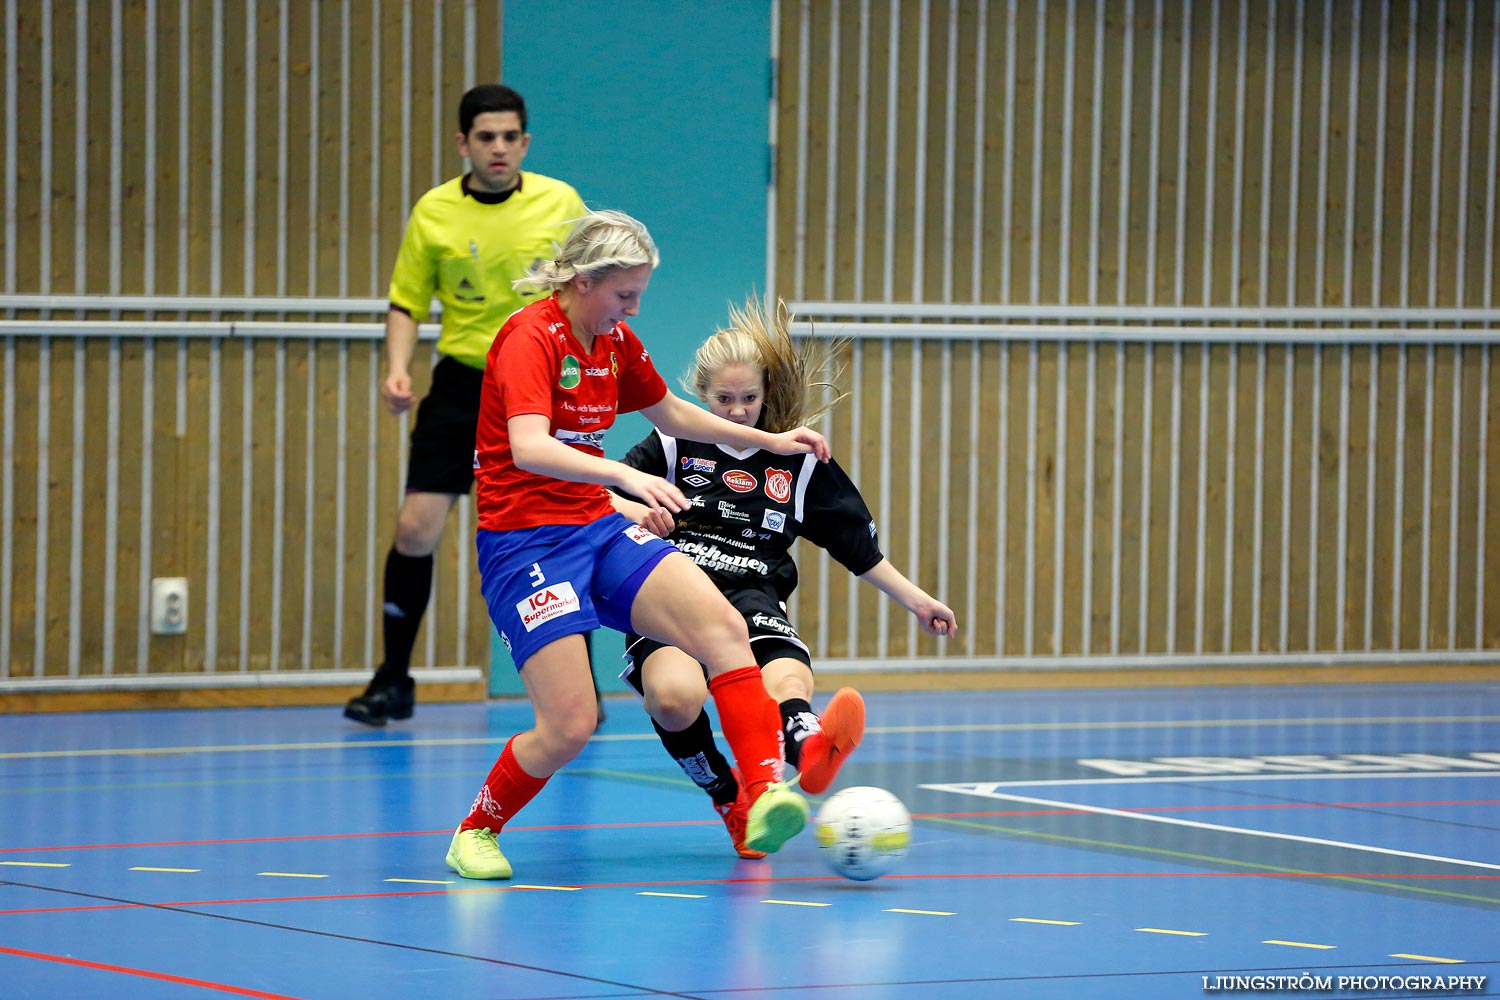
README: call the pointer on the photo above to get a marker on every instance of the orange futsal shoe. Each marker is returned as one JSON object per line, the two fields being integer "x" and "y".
{"x": 824, "y": 753}
{"x": 735, "y": 816}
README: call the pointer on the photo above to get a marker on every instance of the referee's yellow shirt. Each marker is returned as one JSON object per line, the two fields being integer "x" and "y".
{"x": 466, "y": 254}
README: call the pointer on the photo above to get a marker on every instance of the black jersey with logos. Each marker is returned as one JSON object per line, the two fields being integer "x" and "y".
{"x": 748, "y": 507}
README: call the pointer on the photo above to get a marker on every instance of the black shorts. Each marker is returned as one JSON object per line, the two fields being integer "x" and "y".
{"x": 772, "y": 636}
{"x": 442, "y": 440}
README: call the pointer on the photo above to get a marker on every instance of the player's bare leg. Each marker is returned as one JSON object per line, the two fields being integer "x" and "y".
{"x": 678, "y": 605}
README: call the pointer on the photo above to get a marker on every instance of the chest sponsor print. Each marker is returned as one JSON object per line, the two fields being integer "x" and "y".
{"x": 779, "y": 485}
{"x": 774, "y": 520}
{"x": 739, "y": 480}
{"x": 690, "y": 464}
{"x": 570, "y": 374}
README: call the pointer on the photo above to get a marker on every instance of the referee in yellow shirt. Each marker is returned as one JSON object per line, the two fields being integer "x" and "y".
{"x": 465, "y": 241}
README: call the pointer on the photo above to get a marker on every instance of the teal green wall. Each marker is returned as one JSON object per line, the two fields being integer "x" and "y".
{"x": 658, "y": 108}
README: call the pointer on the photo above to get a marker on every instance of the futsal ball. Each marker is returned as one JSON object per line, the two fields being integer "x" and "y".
{"x": 862, "y": 832}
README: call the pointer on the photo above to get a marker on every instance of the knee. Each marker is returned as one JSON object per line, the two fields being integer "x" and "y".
{"x": 675, "y": 705}
{"x": 720, "y": 639}
{"x": 418, "y": 531}
{"x": 563, "y": 736}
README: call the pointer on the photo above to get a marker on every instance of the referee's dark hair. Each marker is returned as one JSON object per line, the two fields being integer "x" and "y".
{"x": 489, "y": 97}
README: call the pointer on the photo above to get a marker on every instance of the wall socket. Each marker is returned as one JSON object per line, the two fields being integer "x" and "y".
{"x": 169, "y": 605}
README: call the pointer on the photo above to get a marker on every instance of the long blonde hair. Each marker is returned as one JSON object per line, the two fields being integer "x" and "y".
{"x": 795, "y": 377}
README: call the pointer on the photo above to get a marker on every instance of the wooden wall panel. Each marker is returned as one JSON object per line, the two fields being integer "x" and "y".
{"x": 250, "y": 147}
{"x": 1158, "y": 152}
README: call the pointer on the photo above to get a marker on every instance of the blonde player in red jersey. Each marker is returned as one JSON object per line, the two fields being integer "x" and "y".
{"x": 557, "y": 561}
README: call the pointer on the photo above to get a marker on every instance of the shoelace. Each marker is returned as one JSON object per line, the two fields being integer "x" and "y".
{"x": 483, "y": 843}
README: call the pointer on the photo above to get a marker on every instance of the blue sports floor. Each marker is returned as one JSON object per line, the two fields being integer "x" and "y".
{"x": 1093, "y": 843}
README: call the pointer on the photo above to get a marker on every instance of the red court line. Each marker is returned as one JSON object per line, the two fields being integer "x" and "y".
{"x": 767, "y": 880}
{"x": 448, "y": 832}
{"x": 146, "y": 974}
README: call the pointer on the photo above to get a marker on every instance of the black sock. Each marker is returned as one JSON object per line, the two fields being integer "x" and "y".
{"x": 696, "y": 753}
{"x": 798, "y": 722}
{"x": 408, "y": 585}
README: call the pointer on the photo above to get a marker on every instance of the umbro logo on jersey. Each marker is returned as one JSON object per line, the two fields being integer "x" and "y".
{"x": 696, "y": 481}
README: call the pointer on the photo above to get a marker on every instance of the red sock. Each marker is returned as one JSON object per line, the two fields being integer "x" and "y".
{"x": 751, "y": 723}
{"x": 506, "y": 791}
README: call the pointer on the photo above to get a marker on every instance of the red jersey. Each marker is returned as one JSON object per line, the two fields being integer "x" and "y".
{"x": 536, "y": 365}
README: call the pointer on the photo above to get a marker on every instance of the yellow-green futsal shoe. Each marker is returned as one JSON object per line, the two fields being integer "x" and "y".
{"x": 775, "y": 817}
{"x": 476, "y": 854}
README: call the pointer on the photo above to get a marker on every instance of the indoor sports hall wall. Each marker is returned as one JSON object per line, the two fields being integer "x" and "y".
{"x": 194, "y": 282}
{"x": 1172, "y": 322}
{"x": 202, "y": 203}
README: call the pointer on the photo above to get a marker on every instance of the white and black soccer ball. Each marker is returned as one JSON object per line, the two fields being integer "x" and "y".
{"x": 862, "y": 832}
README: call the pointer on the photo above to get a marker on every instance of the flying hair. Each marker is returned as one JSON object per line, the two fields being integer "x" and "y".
{"x": 796, "y": 377}
{"x": 598, "y": 243}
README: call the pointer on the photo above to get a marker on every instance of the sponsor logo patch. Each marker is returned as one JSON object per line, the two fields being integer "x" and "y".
{"x": 638, "y": 534}
{"x": 571, "y": 373}
{"x": 774, "y": 624}
{"x": 779, "y": 485}
{"x": 581, "y": 439}
{"x": 547, "y": 604}
{"x": 740, "y": 481}
{"x": 698, "y": 464}
{"x": 774, "y": 520}
{"x": 730, "y": 512}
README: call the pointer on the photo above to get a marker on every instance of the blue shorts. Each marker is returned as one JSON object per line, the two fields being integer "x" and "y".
{"x": 545, "y": 583}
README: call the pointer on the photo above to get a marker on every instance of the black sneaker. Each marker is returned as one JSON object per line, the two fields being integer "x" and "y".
{"x": 383, "y": 699}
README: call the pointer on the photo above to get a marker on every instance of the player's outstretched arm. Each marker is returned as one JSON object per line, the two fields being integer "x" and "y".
{"x": 936, "y": 617}
{"x": 535, "y": 449}
{"x": 677, "y": 417}
{"x": 656, "y": 520}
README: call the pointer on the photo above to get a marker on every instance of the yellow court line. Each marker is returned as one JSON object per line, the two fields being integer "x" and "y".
{"x": 290, "y": 875}
{"x": 793, "y": 902}
{"x": 674, "y": 895}
{"x": 1160, "y": 930}
{"x": 548, "y": 888}
{"x": 37, "y": 864}
{"x": 925, "y": 913}
{"x": 1039, "y": 920}
{"x": 1301, "y": 944}
{"x": 184, "y": 871}
{"x": 423, "y": 881}
{"x": 1430, "y": 958}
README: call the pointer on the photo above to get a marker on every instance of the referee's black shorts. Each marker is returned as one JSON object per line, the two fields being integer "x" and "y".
{"x": 442, "y": 440}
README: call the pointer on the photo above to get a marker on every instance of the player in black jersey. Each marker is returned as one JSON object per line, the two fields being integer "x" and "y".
{"x": 748, "y": 507}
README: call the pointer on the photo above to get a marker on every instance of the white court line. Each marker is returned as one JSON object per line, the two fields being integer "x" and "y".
{"x": 986, "y": 787}
{"x": 1194, "y": 824}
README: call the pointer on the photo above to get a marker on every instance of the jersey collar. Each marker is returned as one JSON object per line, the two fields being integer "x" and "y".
{"x": 490, "y": 197}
